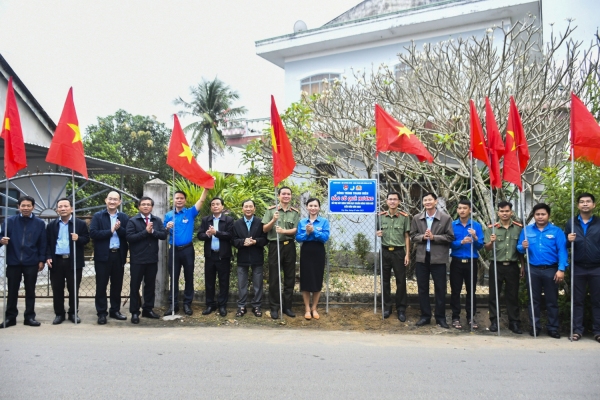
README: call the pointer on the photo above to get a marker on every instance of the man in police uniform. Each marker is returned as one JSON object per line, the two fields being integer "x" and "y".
{"x": 184, "y": 254}
{"x": 285, "y": 220}
{"x": 395, "y": 247}
{"x": 510, "y": 267}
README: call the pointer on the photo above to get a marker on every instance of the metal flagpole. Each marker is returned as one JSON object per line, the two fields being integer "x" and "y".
{"x": 495, "y": 263}
{"x": 173, "y": 258}
{"x": 278, "y": 260}
{"x": 572, "y": 231}
{"x": 471, "y": 277}
{"x": 5, "y": 254}
{"x": 74, "y": 251}
{"x": 328, "y": 270}
{"x": 380, "y": 244}
{"x": 522, "y": 203}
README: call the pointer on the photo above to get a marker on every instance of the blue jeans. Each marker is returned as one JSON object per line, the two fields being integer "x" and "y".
{"x": 542, "y": 280}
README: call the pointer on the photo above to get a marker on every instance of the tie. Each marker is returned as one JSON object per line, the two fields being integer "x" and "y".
{"x": 146, "y": 220}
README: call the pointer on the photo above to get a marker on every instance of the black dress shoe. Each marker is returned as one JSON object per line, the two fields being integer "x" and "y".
{"x": 289, "y": 313}
{"x": 72, "y": 319}
{"x": 209, "y": 310}
{"x": 31, "y": 322}
{"x": 494, "y": 327}
{"x": 554, "y": 334}
{"x": 150, "y": 314}
{"x": 135, "y": 318}
{"x": 401, "y": 316}
{"x": 222, "y": 311}
{"x": 515, "y": 328}
{"x": 170, "y": 311}
{"x": 102, "y": 320}
{"x": 9, "y": 322}
{"x": 443, "y": 324}
{"x": 275, "y": 314}
{"x": 537, "y": 332}
{"x": 187, "y": 309}
{"x": 386, "y": 314}
{"x": 59, "y": 319}
{"x": 423, "y": 322}
{"x": 117, "y": 315}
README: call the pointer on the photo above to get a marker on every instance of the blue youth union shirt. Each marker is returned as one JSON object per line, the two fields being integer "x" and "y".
{"x": 546, "y": 247}
{"x": 460, "y": 232}
{"x": 184, "y": 225}
{"x": 319, "y": 234}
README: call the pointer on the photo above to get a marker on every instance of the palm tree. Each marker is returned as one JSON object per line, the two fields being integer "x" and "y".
{"x": 211, "y": 101}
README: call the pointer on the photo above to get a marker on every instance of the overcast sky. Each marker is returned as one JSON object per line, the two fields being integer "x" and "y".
{"x": 139, "y": 55}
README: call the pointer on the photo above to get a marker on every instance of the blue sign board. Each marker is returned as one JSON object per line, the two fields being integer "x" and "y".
{"x": 352, "y": 196}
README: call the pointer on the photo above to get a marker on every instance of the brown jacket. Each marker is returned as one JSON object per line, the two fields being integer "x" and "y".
{"x": 443, "y": 235}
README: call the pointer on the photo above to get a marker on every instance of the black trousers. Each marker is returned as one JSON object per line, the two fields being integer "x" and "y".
{"x": 288, "y": 267}
{"x": 216, "y": 267}
{"x": 508, "y": 277}
{"x": 460, "y": 272}
{"x": 112, "y": 270}
{"x": 14, "y": 273}
{"x": 184, "y": 258}
{"x": 60, "y": 272}
{"x": 147, "y": 274}
{"x": 394, "y": 261}
{"x": 586, "y": 277}
{"x": 438, "y": 274}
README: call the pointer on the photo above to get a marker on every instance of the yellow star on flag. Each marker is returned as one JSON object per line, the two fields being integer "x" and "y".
{"x": 402, "y": 130}
{"x": 514, "y": 146}
{"x": 77, "y": 137}
{"x": 7, "y": 124}
{"x": 187, "y": 152}
{"x": 273, "y": 140}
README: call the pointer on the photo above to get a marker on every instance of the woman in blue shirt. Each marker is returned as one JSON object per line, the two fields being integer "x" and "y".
{"x": 312, "y": 232}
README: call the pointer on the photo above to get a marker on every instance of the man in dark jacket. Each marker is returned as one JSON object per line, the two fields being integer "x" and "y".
{"x": 143, "y": 233}
{"x": 61, "y": 260}
{"x": 215, "y": 231}
{"x": 250, "y": 240}
{"x": 24, "y": 236}
{"x": 110, "y": 254}
{"x": 586, "y": 268}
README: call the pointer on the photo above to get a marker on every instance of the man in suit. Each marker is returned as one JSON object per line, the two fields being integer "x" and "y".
{"x": 107, "y": 230}
{"x": 143, "y": 233}
{"x": 62, "y": 242}
{"x": 250, "y": 240}
{"x": 431, "y": 231}
{"x": 216, "y": 231}
{"x": 182, "y": 255}
{"x": 25, "y": 241}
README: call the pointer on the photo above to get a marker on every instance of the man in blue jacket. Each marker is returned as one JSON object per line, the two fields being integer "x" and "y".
{"x": 466, "y": 231}
{"x": 62, "y": 242}
{"x": 25, "y": 241}
{"x": 586, "y": 268}
{"x": 548, "y": 257}
{"x": 107, "y": 230}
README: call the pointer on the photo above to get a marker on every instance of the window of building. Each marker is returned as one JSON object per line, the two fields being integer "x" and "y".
{"x": 317, "y": 83}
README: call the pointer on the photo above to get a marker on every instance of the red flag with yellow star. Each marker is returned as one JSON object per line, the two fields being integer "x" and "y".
{"x": 478, "y": 148}
{"x": 66, "y": 148}
{"x": 585, "y": 132}
{"x": 495, "y": 145}
{"x": 516, "y": 156}
{"x": 393, "y": 136}
{"x": 181, "y": 159}
{"x": 14, "y": 147}
{"x": 283, "y": 157}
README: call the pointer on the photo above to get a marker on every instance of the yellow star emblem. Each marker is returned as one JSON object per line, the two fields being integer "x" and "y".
{"x": 402, "y": 130}
{"x": 77, "y": 137}
{"x": 273, "y": 140}
{"x": 511, "y": 133}
{"x": 187, "y": 152}
{"x": 7, "y": 124}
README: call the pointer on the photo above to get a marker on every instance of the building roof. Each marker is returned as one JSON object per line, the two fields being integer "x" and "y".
{"x": 370, "y": 8}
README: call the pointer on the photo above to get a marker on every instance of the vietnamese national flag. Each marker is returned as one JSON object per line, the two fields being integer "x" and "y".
{"x": 585, "y": 132}
{"x": 283, "y": 158}
{"x": 66, "y": 148}
{"x": 516, "y": 156}
{"x": 394, "y": 136}
{"x": 181, "y": 159}
{"x": 14, "y": 147}
{"x": 495, "y": 145}
{"x": 478, "y": 148}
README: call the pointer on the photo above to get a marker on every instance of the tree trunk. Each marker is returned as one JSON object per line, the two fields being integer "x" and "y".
{"x": 210, "y": 150}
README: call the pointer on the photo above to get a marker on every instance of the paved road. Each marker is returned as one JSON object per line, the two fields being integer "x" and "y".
{"x": 124, "y": 361}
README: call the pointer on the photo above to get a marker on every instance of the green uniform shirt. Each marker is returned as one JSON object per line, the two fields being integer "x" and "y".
{"x": 394, "y": 227}
{"x": 506, "y": 241}
{"x": 287, "y": 220}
